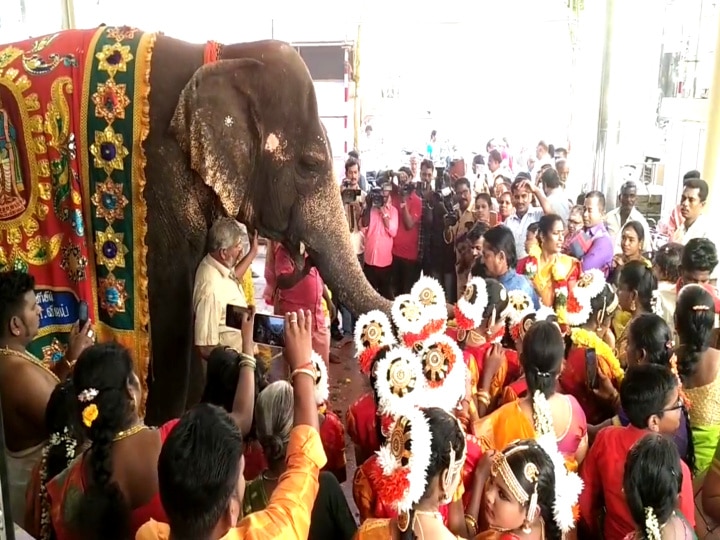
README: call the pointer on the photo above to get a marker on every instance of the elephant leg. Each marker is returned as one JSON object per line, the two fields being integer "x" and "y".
{"x": 171, "y": 334}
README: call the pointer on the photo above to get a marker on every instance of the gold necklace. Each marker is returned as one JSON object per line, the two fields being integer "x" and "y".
{"x": 137, "y": 428}
{"x": 7, "y": 351}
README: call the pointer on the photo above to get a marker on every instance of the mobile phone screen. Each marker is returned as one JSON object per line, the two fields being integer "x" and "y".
{"x": 83, "y": 313}
{"x": 234, "y": 316}
{"x": 269, "y": 330}
{"x": 591, "y": 368}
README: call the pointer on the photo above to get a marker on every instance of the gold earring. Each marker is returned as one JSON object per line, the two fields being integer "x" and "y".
{"x": 633, "y": 306}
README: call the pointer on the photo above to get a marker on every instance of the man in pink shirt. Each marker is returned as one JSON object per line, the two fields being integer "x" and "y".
{"x": 380, "y": 221}
{"x": 300, "y": 289}
{"x": 406, "y": 246}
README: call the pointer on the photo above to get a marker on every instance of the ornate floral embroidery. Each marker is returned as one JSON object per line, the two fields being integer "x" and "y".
{"x": 112, "y": 295}
{"x": 74, "y": 263}
{"x": 110, "y": 101}
{"x": 120, "y": 33}
{"x": 109, "y": 248}
{"x": 54, "y": 352}
{"x": 109, "y": 200}
{"x": 114, "y": 58}
{"x": 108, "y": 150}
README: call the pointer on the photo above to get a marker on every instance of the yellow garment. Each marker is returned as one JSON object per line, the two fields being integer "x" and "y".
{"x": 287, "y": 517}
{"x": 248, "y": 287}
{"x": 704, "y": 421}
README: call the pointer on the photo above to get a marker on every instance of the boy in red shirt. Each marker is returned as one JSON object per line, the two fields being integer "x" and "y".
{"x": 650, "y": 397}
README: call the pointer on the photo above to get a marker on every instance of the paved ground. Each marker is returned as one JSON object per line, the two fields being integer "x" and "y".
{"x": 346, "y": 382}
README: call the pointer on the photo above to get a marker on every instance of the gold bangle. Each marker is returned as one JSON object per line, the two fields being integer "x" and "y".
{"x": 252, "y": 364}
{"x": 471, "y": 524}
{"x": 247, "y": 357}
{"x": 300, "y": 371}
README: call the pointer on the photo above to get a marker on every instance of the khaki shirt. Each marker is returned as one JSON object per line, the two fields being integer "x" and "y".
{"x": 215, "y": 287}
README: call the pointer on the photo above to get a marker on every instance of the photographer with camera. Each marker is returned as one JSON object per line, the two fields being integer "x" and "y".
{"x": 407, "y": 243}
{"x": 380, "y": 224}
{"x": 460, "y": 220}
{"x": 353, "y": 198}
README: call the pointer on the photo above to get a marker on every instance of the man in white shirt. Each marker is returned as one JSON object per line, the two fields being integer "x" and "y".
{"x": 616, "y": 219}
{"x": 525, "y": 214}
{"x": 695, "y": 223}
{"x": 218, "y": 282}
{"x": 559, "y": 202}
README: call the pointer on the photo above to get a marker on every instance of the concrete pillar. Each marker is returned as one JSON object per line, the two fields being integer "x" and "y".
{"x": 68, "y": 14}
{"x": 711, "y": 167}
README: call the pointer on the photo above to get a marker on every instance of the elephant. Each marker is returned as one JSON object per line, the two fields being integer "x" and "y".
{"x": 238, "y": 137}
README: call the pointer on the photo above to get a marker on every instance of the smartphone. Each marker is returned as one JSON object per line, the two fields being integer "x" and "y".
{"x": 493, "y": 218}
{"x": 269, "y": 330}
{"x": 234, "y": 316}
{"x": 83, "y": 314}
{"x": 591, "y": 367}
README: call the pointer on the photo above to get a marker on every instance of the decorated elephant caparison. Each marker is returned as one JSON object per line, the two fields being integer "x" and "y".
{"x": 233, "y": 130}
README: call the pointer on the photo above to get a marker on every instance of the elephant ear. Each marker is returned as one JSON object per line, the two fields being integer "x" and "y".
{"x": 217, "y": 124}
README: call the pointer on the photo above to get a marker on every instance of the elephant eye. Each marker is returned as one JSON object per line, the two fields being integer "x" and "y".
{"x": 311, "y": 163}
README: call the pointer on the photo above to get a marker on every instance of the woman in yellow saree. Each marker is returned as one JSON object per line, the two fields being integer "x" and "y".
{"x": 542, "y": 359}
{"x": 550, "y": 271}
{"x": 636, "y": 292}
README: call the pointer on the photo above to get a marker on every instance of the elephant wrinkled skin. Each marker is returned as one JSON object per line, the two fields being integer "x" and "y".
{"x": 240, "y": 137}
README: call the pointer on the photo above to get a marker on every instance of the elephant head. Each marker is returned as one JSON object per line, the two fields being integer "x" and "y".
{"x": 251, "y": 129}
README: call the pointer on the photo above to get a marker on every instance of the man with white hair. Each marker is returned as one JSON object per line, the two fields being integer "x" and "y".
{"x": 218, "y": 282}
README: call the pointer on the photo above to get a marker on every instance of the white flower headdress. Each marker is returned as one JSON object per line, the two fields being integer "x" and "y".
{"x": 430, "y": 294}
{"x": 470, "y": 308}
{"x": 373, "y": 331}
{"x": 444, "y": 372}
{"x": 322, "y": 385}
{"x": 568, "y": 485}
{"x": 404, "y": 461}
{"x": 398, "y": 381}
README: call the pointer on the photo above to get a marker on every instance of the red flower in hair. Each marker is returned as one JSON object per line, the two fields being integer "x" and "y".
{"x": 433, "y": 327}
{"x": 389, "y": 489}
{"x": 462, "y": 321}
{"x": 365, "y": 359}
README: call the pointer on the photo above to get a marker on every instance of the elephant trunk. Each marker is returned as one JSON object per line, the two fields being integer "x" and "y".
{"x": 327, "y": 237}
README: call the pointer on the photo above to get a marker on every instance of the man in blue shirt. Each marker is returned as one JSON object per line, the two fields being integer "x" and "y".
{"x": 500, "y": 260}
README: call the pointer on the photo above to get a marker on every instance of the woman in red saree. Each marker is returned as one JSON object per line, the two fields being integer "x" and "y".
{"x": 86, "y": 499}
{"x": 542, "y": 410}
{"x": 591, "y": 306}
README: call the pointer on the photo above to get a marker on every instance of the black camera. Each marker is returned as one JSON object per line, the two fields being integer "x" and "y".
{"x": 376, "y": 196}
{"x": 407, "y": 188}
{"x": 350, "y": 195}
{"x": 446, "y": 198}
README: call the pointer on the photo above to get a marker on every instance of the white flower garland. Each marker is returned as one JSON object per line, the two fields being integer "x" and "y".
{"x": 418, "y": 462}
{"x": 399, "y": 362}
{"x": 591, "y": 283}
{"x": 409, "y": 315}
{"x": 322, "y": 385}
{"x": 568, "y": 486}
{"x": 56, "y": 439}
{"x": 473, "y": 311}
{"x": 431, "y": 295}
{"x": 520, "y": 305}
{"x": 380, "y": 329}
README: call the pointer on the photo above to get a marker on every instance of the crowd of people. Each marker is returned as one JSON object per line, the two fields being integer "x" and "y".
{"x": 545, "y": 372}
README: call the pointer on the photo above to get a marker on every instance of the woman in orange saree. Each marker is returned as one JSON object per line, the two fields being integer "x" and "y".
{"x": 543, "y": 410}
{"x": 591, "y": 306}
{"x": 551, "y": 272}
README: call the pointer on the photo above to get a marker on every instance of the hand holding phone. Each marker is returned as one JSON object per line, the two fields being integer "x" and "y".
{"x": 83, "y": 314}
{"x": 269, "y": 330}
{"x": 591, "y": 368}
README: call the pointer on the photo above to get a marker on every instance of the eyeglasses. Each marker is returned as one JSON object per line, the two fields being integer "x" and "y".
{"x": 679, "y": 405}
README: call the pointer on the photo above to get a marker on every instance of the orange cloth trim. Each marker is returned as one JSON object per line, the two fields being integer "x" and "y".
{"x": 141, "y": 127}
{"x": 212, "y": 52}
